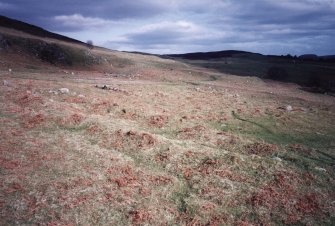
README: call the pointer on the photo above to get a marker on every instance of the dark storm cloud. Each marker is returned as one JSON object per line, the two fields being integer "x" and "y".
{"x": 41, "y": 11}
{"x": 295, "y": 26}
{"x": 266, "y": 26}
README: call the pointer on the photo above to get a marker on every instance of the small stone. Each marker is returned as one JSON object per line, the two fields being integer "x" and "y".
{"x": 131, "y": 133}
{"x": 288, "y": 108}
{"x": 320, "y": 169}
{"x": 277, "y": 159}
{"x": 64, "y": 90}
{"x": 81, "y": 96}
{"x": 10, "y": 70}
{"x": 5, "y": 83}
{"x": 103, "y": 87}
{"x": 235, "y": 159}
{"x": 72, "y": 73}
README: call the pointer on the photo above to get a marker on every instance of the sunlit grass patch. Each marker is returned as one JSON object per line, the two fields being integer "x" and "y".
{"x": 272, "y": 130}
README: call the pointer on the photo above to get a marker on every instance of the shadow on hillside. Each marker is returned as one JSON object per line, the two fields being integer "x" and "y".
{"x": 317, "y": 75}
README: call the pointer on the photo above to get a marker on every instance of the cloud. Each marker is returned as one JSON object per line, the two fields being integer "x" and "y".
{"x": 304, "y": 5}
{"x": 78, "y": 22}
{"x": 107, "y": 9}
{"x": 166, "y": 36}
{"x": 188, "y": 25}
{"x": 6, "y": 6}
{"x": 164, "y": 32}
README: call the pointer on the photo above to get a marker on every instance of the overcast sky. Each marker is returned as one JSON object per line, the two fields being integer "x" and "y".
{"x": 179, "y": 26}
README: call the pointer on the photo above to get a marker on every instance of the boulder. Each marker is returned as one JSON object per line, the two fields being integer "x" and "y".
{"x": 288, "y": 108}
{"x": 64, "y": 90}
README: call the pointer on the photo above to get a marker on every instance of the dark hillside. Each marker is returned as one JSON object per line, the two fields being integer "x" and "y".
{"x": 209, "y": 55}
{"x": 314, "y": 73}
{"x": 34, "y": 30}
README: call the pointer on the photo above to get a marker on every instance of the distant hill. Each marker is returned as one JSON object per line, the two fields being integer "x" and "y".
{"x": 314, "y": 73}
{"x": 34, "y": 30}
{"x": 210, "y": 55}
{"x": 239, "y": 53}
{"x": 329, "y": 57}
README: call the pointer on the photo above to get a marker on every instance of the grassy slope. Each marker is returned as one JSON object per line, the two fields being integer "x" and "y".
{"x": 164, "y": 148}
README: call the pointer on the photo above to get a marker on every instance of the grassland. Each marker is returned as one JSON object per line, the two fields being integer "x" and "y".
{"x": 168, "y": 144}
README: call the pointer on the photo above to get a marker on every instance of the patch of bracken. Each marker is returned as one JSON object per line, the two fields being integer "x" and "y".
{"x": 131, "y": 140}
{"x": 139, "y": 217}
{"x": 192, "y": 132}
{"x": 34, "y": 121}
{"x": 158, "y": 121}
{"x": 283, "y": 200}
{"x": 261, "y": 148}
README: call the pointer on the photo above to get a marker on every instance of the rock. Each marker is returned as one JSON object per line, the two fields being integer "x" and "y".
{"x": 236, "y": 159}
{"x": 103, "y": 87}
{"x": 5, "y": 83}
{"x": 53, "y": 92}
{"x": 277, "y": 159}
{"x": 288, "y": 108}
{"x": 64, "y": 90}
{"x": 320, "y": 169}
{"x": 72, "y": 73}
{"x": 81, "y": 96}
{"x": 10, "y": 70}
{"x": 106, "y": 87}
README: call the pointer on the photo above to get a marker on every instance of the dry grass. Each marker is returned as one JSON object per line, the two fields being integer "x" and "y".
{"x": 166, "y": 151}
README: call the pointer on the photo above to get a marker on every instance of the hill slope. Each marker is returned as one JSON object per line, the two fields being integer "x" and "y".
{"x": 33, "y": 30}
{"x": 315, "y": 73}
{"x": 210, "y": 55}
{"x": 141, "y": 140}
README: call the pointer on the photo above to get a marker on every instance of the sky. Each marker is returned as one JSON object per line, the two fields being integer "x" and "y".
{"x": 178, "y": 26}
